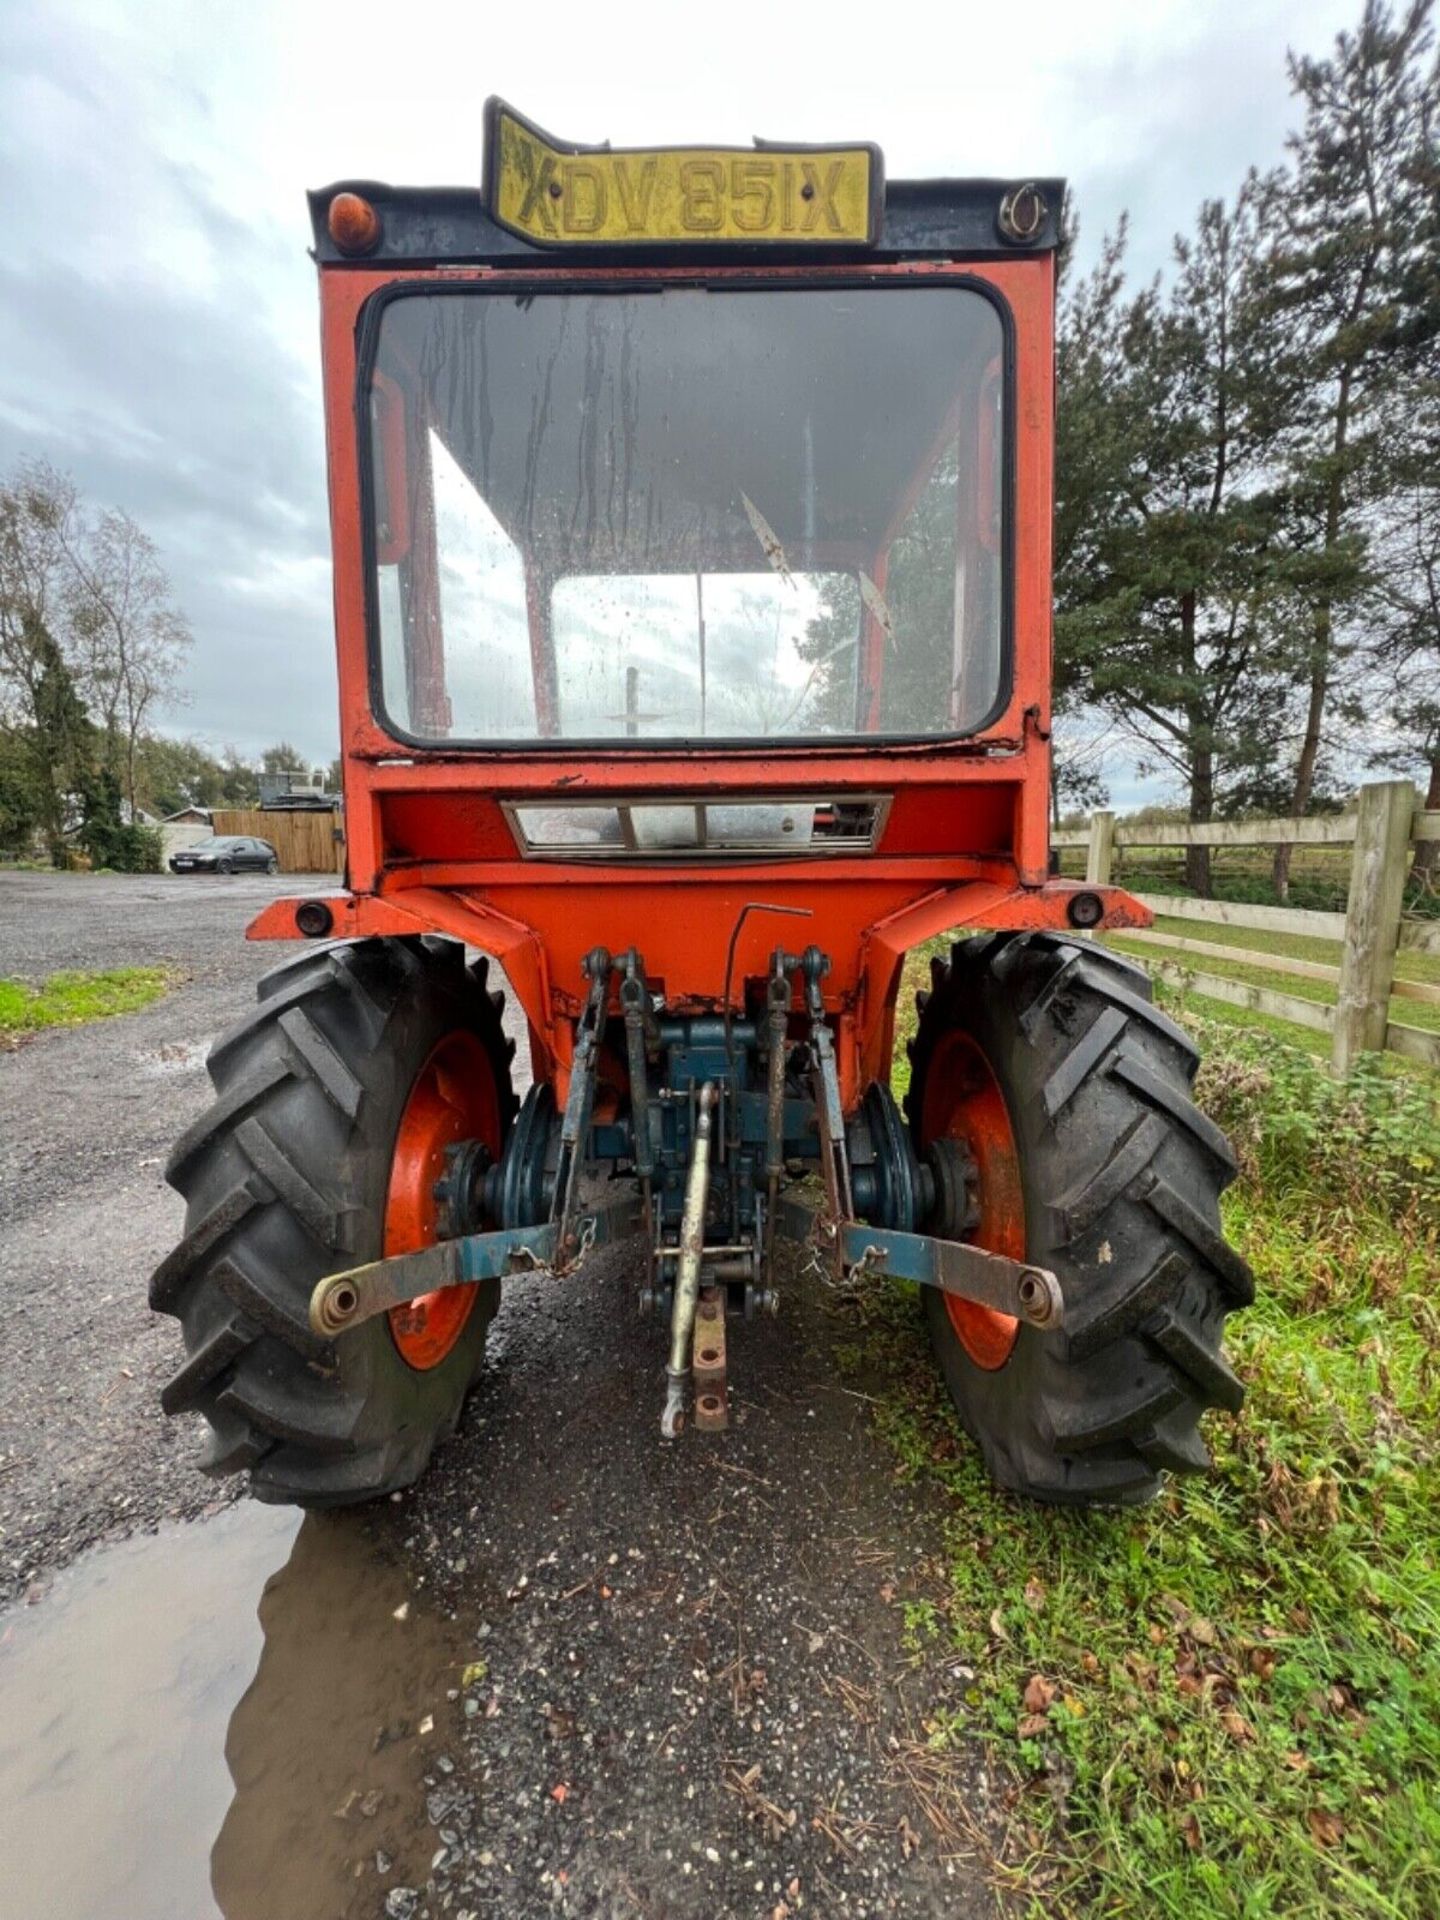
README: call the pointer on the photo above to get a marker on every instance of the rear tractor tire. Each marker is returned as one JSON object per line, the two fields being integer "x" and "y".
{"x": 335, "y": 1102}
{"x": 1065, "y": 1097}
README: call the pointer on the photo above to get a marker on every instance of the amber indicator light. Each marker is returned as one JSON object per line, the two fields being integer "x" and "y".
{"x": 354, "y": 224}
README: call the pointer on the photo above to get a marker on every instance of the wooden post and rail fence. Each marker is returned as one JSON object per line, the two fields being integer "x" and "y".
{"x": 1383, "y": 828}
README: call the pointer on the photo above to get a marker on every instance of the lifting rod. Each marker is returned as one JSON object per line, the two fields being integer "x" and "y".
{"x": 687, "y": 1274}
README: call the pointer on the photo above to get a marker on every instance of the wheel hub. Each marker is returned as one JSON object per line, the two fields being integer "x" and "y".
{"x": 971, "y": 1151}
{"x": 452, "y": 1101}
{"x": 955, "y": 1179}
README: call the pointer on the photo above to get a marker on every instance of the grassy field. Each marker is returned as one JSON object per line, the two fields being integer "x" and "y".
{"x": 72, "y": 999}
{"x": 1228, "y": 1703}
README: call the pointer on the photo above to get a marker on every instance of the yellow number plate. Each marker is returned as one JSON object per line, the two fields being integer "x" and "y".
{"x": 564, "y": 196}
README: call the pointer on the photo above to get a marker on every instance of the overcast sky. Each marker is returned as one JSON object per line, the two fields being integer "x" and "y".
{"x": 157, "y": 306}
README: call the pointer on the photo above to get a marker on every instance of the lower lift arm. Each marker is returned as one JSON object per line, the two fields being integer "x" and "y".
{"x": 343, "y": 1300}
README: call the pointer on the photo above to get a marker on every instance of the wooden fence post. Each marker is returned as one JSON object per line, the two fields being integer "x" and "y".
{"x": 1100, "y": 851}
{"x": 1372, "y": 920}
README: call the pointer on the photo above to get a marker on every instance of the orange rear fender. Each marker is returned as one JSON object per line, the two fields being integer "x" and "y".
{"x": 862, "y": 989}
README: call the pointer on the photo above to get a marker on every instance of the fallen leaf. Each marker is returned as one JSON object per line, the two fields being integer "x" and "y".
{"x": 1191, "y": 1835}
{"x": 1038, "y": 1694}
{"x": 1328, "y": 1828}
{"x": 1237, "y": 1726}
{"x": 769, "y": 544}
{"x": 474, "y": 1674}
{"x": 875, "y": 601}
{"x": 998, "y": 1628}
{"x": 1032, "y": 1726}
{"x": 1297, "y": 1762}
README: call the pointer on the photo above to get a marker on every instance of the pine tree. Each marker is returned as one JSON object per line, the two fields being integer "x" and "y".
{"x": 1174, "y": 592}
{"x": 1352, "y": 217}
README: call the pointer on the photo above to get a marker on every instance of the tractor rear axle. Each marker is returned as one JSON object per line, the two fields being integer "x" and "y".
{"x": 731, "y": 1112}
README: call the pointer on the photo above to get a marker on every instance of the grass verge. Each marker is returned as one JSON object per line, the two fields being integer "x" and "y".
{"x": 1228, "y": 1703}
{"x": 73, "y": 999}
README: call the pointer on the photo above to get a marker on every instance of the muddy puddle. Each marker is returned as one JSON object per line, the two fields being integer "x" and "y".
{"x": 231, "y": 1717}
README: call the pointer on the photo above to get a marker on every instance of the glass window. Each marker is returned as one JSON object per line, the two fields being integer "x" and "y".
{"x": 685, "y": 514}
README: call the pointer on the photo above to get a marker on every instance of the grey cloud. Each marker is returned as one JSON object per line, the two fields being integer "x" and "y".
{"x": 157, "y": 331}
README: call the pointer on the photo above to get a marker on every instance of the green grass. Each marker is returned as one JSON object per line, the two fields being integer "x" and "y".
{"x": 72, "y": 999}
{"x": 1245, "y": 1716}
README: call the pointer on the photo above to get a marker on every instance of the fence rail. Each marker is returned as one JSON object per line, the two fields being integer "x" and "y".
{"x": 304, "y": 842}
{"x": 1327, "y": 830}
{"x": 1372, "y": 929}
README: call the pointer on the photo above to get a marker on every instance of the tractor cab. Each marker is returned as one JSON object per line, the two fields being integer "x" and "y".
{"x": 691, "y": 523}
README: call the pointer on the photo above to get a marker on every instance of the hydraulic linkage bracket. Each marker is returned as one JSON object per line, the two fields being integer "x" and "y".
{"x": 580, "y": 1105}
{"x": 1027, "y": 1293}
{"x": 343, "y": 1300}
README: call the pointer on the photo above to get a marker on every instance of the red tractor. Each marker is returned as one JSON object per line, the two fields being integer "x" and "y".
{"x": 691, "y": 515}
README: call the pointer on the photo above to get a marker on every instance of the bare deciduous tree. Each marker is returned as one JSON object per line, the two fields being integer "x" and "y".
{"x": 37, "y": 509}
{"x": 130, "y": 637}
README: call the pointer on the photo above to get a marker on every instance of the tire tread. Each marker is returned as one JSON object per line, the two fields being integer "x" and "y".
{"x": 1130, "y": 1174}
{"x": 272, "y": 1197}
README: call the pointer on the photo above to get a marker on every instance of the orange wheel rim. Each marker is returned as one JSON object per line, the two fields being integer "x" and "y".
{"x": 453, "y": 1098}
{"x": 963, "y": 1101}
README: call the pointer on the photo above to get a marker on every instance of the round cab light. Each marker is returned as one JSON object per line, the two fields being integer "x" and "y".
{"x": 1022, "y": 215}
{"x": 314, "y": 919}
{"x": 1085, "y": 910}
{"x": 354, "y": 224}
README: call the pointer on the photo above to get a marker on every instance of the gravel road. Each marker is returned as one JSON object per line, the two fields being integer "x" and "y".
{"x": 679, "y": 1678}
